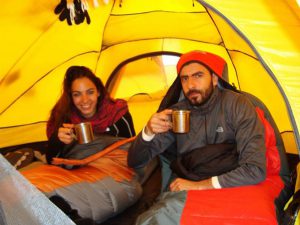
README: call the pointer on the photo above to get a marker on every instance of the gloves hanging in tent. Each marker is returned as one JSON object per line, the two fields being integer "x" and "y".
{"x": 73, "y": 11}
{"x": 64, "y": 11}
{"x": 81, "y": 13}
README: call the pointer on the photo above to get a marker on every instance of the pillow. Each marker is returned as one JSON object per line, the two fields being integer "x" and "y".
{"x": 20, "y": 158}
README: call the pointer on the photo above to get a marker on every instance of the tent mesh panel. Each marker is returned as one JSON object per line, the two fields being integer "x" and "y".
{"x": 22, "y": 203}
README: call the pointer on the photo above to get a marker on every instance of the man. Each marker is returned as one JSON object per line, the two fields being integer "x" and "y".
{"x": 218, "y": 115}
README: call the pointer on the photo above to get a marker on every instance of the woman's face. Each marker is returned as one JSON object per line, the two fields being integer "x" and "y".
{"x": 85, "y": 95}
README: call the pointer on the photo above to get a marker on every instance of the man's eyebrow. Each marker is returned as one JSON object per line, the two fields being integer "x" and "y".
{"x": 198, "y": 72}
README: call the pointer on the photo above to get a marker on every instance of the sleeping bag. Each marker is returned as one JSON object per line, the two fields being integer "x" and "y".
{"x": 99, "y": 184}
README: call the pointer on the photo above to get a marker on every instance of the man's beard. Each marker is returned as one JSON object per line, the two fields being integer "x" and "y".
{"x": 205, "y": 95}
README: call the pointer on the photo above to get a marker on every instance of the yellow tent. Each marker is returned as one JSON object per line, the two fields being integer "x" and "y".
{"x": 126, "y": 45}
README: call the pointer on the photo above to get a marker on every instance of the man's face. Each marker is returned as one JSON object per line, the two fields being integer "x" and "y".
{"x": 197, "y": 83}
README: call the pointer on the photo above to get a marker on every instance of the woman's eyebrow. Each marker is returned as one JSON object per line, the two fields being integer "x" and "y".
{"x": 89, "y": 89}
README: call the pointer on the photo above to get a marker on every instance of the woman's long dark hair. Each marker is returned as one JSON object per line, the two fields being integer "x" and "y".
{"x": 61, "y": 111}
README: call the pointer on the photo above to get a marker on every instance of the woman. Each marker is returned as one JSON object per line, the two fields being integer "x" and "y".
{"x": 85, "y": 98}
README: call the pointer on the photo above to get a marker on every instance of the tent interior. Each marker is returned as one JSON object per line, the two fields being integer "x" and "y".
{"x": 133, "y": 46}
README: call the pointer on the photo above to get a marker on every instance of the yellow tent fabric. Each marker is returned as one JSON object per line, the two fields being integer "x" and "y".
{"x": 258, "y": 39}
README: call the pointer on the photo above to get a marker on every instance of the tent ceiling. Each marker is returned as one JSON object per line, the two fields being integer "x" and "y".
{"x": 39, "y": 48}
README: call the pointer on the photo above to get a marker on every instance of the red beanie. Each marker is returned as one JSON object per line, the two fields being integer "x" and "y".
{"x": 212, "y": 61}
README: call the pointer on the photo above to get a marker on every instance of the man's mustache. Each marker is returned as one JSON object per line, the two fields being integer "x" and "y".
{"x": 193, "y": 92}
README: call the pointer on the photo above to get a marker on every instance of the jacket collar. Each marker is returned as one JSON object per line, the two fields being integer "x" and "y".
{"x": 208, "y": 106}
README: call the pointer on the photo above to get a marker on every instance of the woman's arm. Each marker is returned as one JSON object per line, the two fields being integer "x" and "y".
{"x": 58, "y": 140}
{"x": 123, "y": 127}
{"x": 55, "y": 146}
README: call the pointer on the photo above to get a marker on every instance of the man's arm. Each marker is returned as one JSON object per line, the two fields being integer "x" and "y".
{"x": 153, "y": 140}
{"x": 180, "y": 184}
{"x": 250, "y": 138}
{"x": 139, "y": 152}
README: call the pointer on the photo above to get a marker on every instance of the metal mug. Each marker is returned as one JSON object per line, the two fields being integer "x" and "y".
{"x": 181, "y": 121}
{"x": 84, "y": 133}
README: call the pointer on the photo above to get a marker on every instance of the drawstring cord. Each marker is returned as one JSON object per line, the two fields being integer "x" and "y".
{"x": 205, "y": 127}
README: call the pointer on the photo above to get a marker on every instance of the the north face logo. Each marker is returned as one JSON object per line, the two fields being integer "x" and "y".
{"x": 220, "y": 130}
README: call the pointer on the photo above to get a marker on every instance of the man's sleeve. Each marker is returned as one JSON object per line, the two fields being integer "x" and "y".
{"x": 145, "y": 147}
{"x": 250, "y": 146}
{"x": 139, "y": 152}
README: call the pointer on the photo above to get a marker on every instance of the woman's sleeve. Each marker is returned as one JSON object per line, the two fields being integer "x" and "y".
{"x": 54, "y": 148}
{"x": 123, "y": 127}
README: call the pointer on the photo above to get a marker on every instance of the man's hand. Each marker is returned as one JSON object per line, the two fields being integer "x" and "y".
{"x": 65, "y": 133}
{"x": 180, "y": 184}
{"x": 159, "y": 122}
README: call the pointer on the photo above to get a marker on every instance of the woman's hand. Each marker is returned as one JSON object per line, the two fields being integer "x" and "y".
{"x": 159, "y": 122}
{"x": 65, "y": 133}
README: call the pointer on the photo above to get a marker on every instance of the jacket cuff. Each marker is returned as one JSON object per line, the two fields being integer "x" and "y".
{"x": 147, "y": 137}
{"x": 215, "y": 182}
